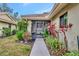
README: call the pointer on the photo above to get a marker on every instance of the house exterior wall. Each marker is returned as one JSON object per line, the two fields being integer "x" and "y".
{"x": 29, "y": 26}
{"x": 73, "y": 16}
{"x": 13, "y": 27}
{"x": 3, "y": 25}
{"x": 6, "y": 25}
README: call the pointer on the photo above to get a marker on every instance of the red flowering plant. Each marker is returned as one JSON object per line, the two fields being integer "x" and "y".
{"x": 64, "y": 29}
{"x": 52, "y": 30}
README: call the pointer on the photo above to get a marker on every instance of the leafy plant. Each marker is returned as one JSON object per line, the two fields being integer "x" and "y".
{"x": 14, "y": 32}
{"x": 53, "y": 43}
{"x": 45, "y": 33}
{"x": 22, "y": 28}
{"x": 52, "y": 30}
{"x": 22, "y": 25}
{"x": 26, "y": 36}
{"x": 63, "y": 29}
{"x": 72, "y": 53}
{"x": 6, "y": 31}
{"x": 55, "y": 47}
{"x": 20, "y": 35}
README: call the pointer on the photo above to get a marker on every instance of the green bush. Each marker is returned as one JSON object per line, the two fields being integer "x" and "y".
{"x": 72, "y": 53}
{"x": 22, "y": 25}
{"x": 20, "y": 35}
{"x": 14, "y": 32}
{"x": 6, "y": 31}
{"x": 53, "y": 42}
{"x": 45, "y": 33}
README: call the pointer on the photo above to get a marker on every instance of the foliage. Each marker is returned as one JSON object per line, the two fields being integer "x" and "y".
{"x": 55, "y": 47}
{"x": 15, "y": 14}
{"x": 22, "y": 25}
{"x": 4, "y": 8}
{"x": 52, "y": 30}
{"x": 22, "y": 28}
{"x": 9, "y": 47}
{"x": 63, "y": 29}
{"x": 14, "y": 32}
{"x": 6, "y": 31}
{"x": 72, "y": 53}
{"x": 20, "y": 35}
{"x": 45, "y": 33}
{"x": 26, "y": 36}
{"x": 53, "y": 42}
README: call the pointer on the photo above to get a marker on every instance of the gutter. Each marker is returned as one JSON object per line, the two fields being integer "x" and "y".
{"x": 57, "y": 8}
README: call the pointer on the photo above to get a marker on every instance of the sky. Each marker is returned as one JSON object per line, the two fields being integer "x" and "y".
{"x": 31, "y": 8}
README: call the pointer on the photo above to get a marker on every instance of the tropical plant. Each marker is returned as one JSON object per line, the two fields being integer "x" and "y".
{"x": 22, "y": 25}
{"x": 72, "y": 53}
{"x": 6, "y": 31}
{"x": 4, "y": 8}
{"x": 22, "y": 29}
{"x": 63, "y": 29}
{"x": 52, "y": 30}
{"x": 53, "y": 43}
{"x": 45, "y": 33}
{"x": 20, "y": 35}
{"x": 26, "y": 36}
{"x": 55, "y": 47}
{"x": 14, "y": 32}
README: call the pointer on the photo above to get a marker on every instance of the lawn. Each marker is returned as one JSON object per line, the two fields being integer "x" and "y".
{"x": 9, "y": 47}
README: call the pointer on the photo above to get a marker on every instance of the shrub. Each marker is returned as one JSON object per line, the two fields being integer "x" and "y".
{"x": 72, "y": 53}
{"x": 6, "y": 31}
{"x": 45, "y": 33}
{"x": 22, "y": 25}
{"x": 26, "y": 36}
{"x": 14, "y": 32}
{"x": 53, "y": 43}
{"x": 20, "y": 35}
{"x": 55, "y": 47}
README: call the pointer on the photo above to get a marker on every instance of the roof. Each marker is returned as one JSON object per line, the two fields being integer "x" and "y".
{"x": 36, "y": 16}
{"x": 5, "y": 17}
{"x": 47, "y": 16}
{"x": 57, "y": 8}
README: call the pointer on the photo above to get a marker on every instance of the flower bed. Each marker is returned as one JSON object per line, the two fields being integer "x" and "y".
{"x": 54, "y": 46}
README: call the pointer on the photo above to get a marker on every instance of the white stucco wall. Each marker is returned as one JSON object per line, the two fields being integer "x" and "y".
{"x": 13, "y": 27}
{"x": 56, "y": 21}
{"x": 3, "y": 25}
{"x": 73, "y": 17}
{"x": 6, "y": 25}
{"x": 29, "y": 26}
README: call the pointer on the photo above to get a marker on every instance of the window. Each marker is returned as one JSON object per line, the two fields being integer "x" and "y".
{"x": 63, "y": 20}
{"x": 39, "y": 24}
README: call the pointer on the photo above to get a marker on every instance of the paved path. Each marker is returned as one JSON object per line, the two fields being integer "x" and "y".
{"x": 39, "y": 48}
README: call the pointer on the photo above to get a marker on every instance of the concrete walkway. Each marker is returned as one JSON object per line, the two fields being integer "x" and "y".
{"x": 39, "y": 48}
